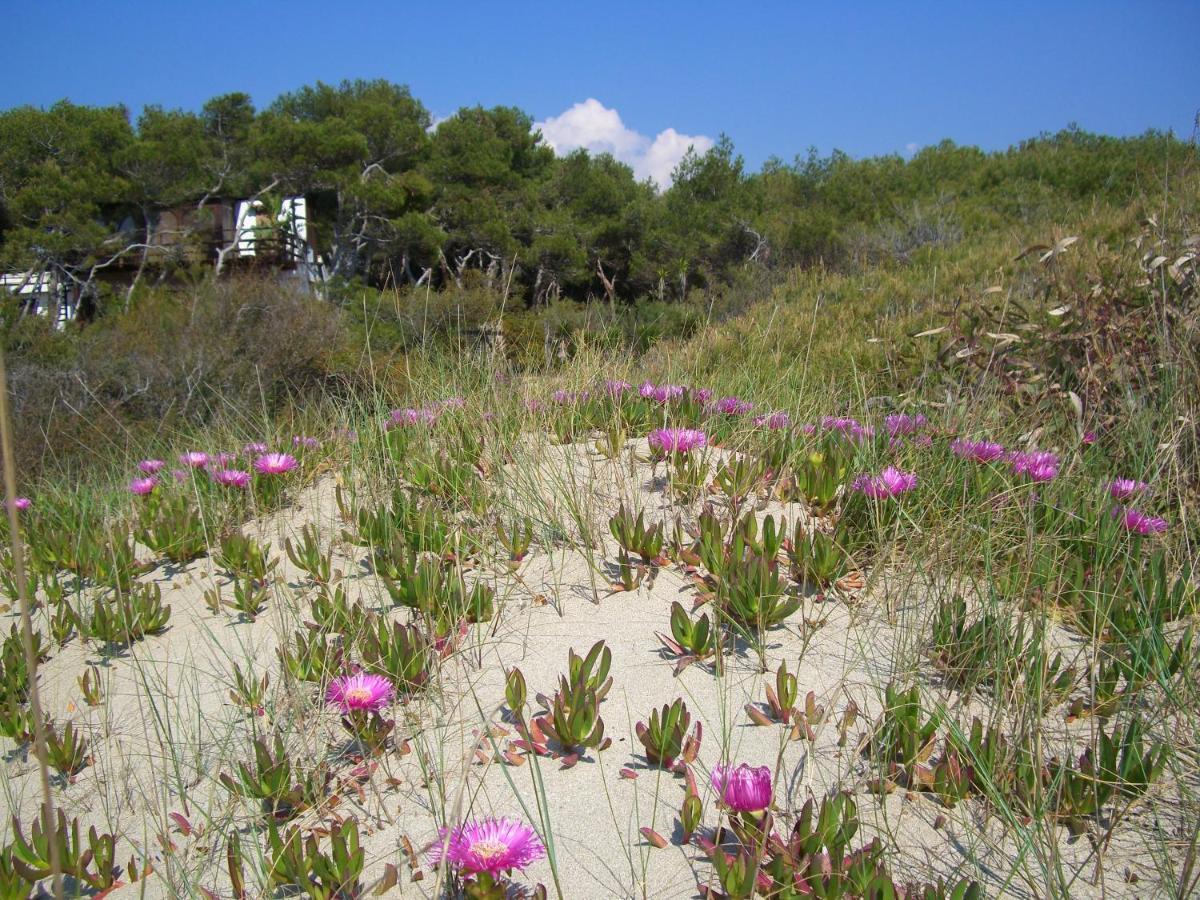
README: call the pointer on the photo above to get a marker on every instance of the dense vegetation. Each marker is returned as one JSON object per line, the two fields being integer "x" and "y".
{"x": 393, "y": 199}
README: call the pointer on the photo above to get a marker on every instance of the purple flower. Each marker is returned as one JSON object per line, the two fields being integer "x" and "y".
{"x": 231, "y": 478}
{"x": 533, "y": 404}
{"x": 677, "y": 440}
{"x": 615, "y": 387}
{"x": 1037, "y": 465}
{"x": 22, "y": 503}
{"x": 900, "y": 423}
{"x": 743, "y": 789}
{"x": 1089, "y": 438}
{"x": 701, "y": 395}
{"x": 361, "y": 692}
{"x": 275, "y": 463}
{"x": 646, "y": 390}
{"x": 1126, "y": 488}
{"x": 494, "y": 846}
{"x": 891, "y": 482}
{"x": 454, "y": 403}
{"x": 410, "y": 416}
{"x": 194, "y": 459}
{"x": 776, "y": 421}
{"x": 255, "y": 448}
{"x": 665, "y": 393}
{"x": 151, "y": 466}
{"x": 562, "y": 397}
{"x": 977, "y": 451}
{"x": 143, "y": 486}
{"x": 851, "y": 428}
{"x": 304, "y": 442}
{"x": 179, "y": 474}
{"x": 1139, "y": 522}
{"x": 733, "y": 406}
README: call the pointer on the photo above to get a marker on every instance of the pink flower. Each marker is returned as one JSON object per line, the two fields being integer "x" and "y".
{"x": 851, "y": 428}
{"x": 454, "y": 403}
{"x": 1038, "y": 465}
{"x": 562, "y": 398}
{"x": 235, "y": 478}
{"x": 143, "y": 486}
{"x": 194, "y": 459}
{"x": 151, "y": 466}
{"x": 743, "y": 789}
{"x": 221, "y": 460}
{"x": 1089, "y": 438}
{"x": 254, "y": 448}
{"x": 304, "y": 442}
{"x": 901, "y": 423}
{"x": 733, "y": 406}
{"x": 977, "y": 451}
{"x": 776, "y": 421}
{"x": 1139, "y": 522}
{"x": 22, "y": 503}
{"x": 179, "y": 474}
{"x": 361, "y": 692}
{"x": 615, "y": 388}
{"x": 701, "y": 395}
{"x": 1126, "y": 488}
{"x": 891, "y": 482}
{"x": 410, "y": 416}
{"x": 664, "y": 393}
{"x": 275, "y": 463}
{"x": 646, "y": 390}
{"x": 677, "y": 440}
{"x": 489, "y": 845}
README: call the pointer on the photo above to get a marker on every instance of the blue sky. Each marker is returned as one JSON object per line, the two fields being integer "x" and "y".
{"x": 866, "y": 78}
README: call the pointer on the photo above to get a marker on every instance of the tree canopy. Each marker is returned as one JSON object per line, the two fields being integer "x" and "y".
{"x": 394, "y": 199}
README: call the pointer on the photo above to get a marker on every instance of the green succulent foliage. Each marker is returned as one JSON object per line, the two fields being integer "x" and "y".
{"x": 300, "y": 864}
{"x": 310, "y": 656}
{"x": 632, "y": 535}
{"x": 815, "y": 556}
{"x": 243, "y": 556}
{"x": 904, "y": 736}
{"x": 125, "y": 617}
{"x": 752, "y": 594}
{"x": 663, "y": 737}
{"x": 13, "y": 885}
{"x": 67, "y": 752}
{"x": 283, "y": 789}
{"x": 306, "y": 555}
{"x": 91, "y": 864}
{"x": 697, "y": 637}
{"x": 172, "y": 526}
{"x": 398, "y": 651}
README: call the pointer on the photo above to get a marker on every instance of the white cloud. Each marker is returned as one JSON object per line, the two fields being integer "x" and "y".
{"x": 598, "y": 129}
{"x": 912, "y": 148}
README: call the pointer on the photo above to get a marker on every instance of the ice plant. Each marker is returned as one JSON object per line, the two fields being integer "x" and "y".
{"x": 615, "y": 388}
{"x": 143, "y": 486}
{"x": 977, "y": 451}
{"x": 236, "y": 478}
{"x": 1126, "y": 488}
{"x": 891, "y": 482}
{"x": 275, "y": 463}
{"x": 776, "y": 421}
{"x": 851, "y": 428}
{"x": 733, "y": 406}
{"x": 254, "y": 448}
{"x": 359, "y": 693}
{"x": 1037, "y": 465}
{"x": 1139, "y": 522}
{"x": 742, "y": 788}
{"x": 488, "y": 847}
{"x": 677, "y": 440}
{"x": 304, "y": 442}
{"x": 195, "y": 459}
{"x": 22, "y": 503}
{"x": 901, "y": 423}
{"x": 151, "y": 466}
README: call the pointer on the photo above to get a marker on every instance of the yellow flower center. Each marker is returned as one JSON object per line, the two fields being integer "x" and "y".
{"x": 489, "y": 850}
{"x": 358, "y": 696}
